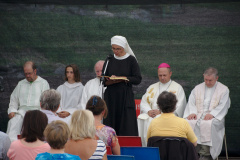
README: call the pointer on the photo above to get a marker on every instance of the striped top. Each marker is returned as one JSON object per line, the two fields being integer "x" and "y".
{"x": 100, "y": 151}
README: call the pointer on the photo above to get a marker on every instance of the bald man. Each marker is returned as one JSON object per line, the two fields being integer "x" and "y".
{"x": 148, "y": 105}
{"x": 93, "y": 86}
{"x": 25, "y": 97}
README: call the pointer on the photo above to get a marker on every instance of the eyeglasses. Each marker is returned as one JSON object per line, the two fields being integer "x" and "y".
{"x": 28, "y": 73}
{"x": 116, "y": 49}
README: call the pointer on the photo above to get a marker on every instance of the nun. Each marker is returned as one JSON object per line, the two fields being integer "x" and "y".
{"x": 122, "y": 71}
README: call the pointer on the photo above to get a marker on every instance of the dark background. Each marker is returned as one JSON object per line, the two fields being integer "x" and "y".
{"x": 189, "y": 35}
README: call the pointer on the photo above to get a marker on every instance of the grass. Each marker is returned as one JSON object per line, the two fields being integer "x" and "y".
{"x": 57, "y": 37}
{"x": 227, "y": 6}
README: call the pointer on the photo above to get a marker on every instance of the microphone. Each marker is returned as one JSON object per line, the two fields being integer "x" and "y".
{"x": 109, "y": 56}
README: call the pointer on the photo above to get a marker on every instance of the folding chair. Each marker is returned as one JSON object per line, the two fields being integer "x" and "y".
{"x": 225, "y": 144}
{"x": 120, "y": 157}
{"x": 174, "y": 148}
{"x": 142, "y": 153}
{"x": 137, "y": 105}
{"x": 109, "y": 150}
{"x": 131, "y": 141}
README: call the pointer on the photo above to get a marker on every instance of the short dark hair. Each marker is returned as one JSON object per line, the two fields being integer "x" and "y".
{"x": 57, "y": 134}
{"x": 32, "y": 63}
{"x": 167, "y": 102}
{"x": 98, "y": 106}
{"x": 76, "y": 72}
{"x": 34, "y": 123}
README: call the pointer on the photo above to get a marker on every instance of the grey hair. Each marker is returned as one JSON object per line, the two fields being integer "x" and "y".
{"x": 211, "y": 71}
{"x": 100, "y": 62}
{"x": 50, "y": 100}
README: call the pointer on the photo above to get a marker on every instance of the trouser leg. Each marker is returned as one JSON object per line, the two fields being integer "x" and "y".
{"x": 204, "y": 152}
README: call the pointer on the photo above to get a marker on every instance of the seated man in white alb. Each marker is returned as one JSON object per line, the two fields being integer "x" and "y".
{"x": 148, "y": 106}
{"x": 207, "y": 107}
{"x": 50, "y": 102}
{"x": 25, "y": 97}
{"x": 93, "y": 86}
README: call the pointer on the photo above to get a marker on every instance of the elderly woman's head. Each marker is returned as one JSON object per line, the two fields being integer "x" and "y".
{"x": 82, "y": 125}
{"x": 167, "y": 102}
{"x": 34, "y": 123}
{"x": 97, "y": 105}
{"x": 57, "y": 134}
{"x": 50, "y": 100}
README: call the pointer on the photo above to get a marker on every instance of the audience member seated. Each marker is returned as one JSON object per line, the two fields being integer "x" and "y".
{"x": 82, "y": 137}
{"x": 169, "y": 125}
{"x": 50, "y": 102}
{"x": 56, "y": 134}
{"x": 104, "y": 133}
{"x": 32, "y": 139}
{"x": 5, "y": 143}
{"x": 71, "y": 93}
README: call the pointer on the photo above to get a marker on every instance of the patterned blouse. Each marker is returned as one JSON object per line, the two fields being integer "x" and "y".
{"x": 107, "y": 135}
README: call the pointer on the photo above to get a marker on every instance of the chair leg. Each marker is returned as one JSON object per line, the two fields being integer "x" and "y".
{"x": 225, "y": 141}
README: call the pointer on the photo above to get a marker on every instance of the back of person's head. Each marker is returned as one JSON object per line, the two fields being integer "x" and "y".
{"x": 50, "y": 100}
{"x": 76, "y": 72}
{"x": 97, "y": 105}
{"x": 82, "y": 125}
{"x": 167, "y": 102}
{"x": 57, "y": 134}
{"x": 34, "y": 123}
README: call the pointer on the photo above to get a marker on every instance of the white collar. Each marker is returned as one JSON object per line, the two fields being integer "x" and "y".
{"x": 165, "y": 84}
{"x": 122, "y": 57}
{"x": 73, "y": 85}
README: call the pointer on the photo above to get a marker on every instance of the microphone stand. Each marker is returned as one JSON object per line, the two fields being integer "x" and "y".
{"x": 102, "y": 79}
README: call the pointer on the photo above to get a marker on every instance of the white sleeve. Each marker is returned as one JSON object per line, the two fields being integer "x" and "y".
{"x": 79, "y": 106}
{"x": 14, "y": 100}
{"x": 181, "y": 104}
{"x": 84, "y": 98}
{"x": 191, "y": 105}
{"x": 221, "y": 110}
{"x": 144, "y": 105}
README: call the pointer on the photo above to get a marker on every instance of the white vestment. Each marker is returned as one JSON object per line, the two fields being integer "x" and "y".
{"x": 71, "y": 95}
{"x": 149, "y": 102}
{"x": 92, "y": 87}
{"x": 52, "y": 116}
{"x": 215, "y": 101}
{"x": 26, "y": 96}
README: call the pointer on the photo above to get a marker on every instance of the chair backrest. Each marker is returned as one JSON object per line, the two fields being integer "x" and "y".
{"x": 131, "y": 141}
{"x": 109, "y": 150}
{"x": 120, "y": 157}
{"x": 137, "y": 105}
{"x": 174, "y": 148}
{"x": 141, "y": 153}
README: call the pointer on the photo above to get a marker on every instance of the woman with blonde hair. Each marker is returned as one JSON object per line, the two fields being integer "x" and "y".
{"x": 105, "y": 133}
{"x": 82, "y": 137}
